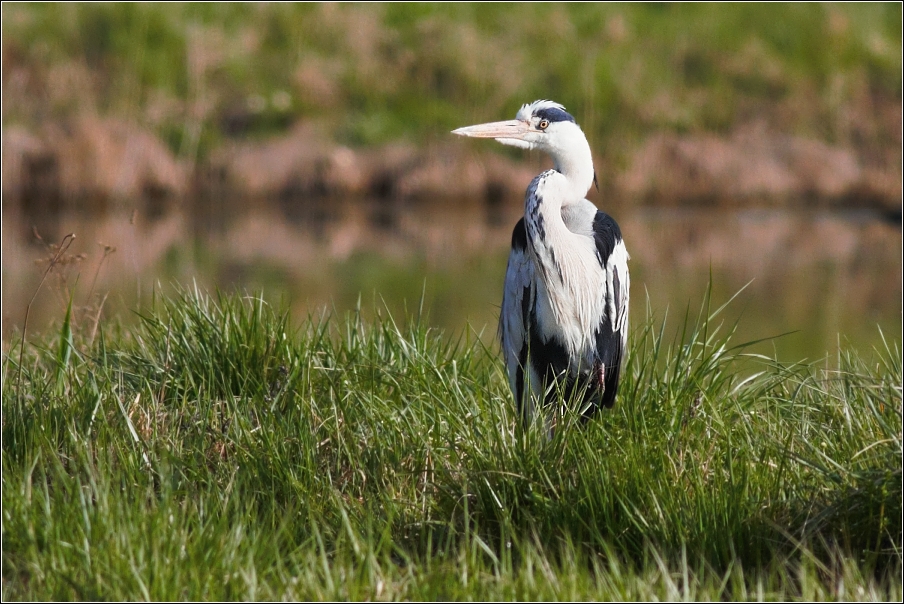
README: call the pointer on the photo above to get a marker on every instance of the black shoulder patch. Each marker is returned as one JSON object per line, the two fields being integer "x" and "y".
{"x": 606, "y": 234}
{"x": 554, "y": 114}
{"x": 519, "y": 237}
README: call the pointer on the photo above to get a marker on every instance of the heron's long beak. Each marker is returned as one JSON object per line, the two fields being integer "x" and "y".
{"x": 510, "y": 129}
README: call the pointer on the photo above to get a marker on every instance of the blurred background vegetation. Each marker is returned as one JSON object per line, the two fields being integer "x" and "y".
{"x": 199, "y": 74}
{"x": 305, "y": 148}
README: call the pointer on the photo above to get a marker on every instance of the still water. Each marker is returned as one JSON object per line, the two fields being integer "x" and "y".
{"x": 819, "y": 276}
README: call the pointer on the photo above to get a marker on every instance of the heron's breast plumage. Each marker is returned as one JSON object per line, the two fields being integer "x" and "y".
{"x": 574, "y": 283}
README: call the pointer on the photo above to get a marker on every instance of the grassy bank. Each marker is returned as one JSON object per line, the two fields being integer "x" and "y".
{"x": 218, "y": 452}
{"x": 730, "y": 104}
{"x": 376, "y": 73}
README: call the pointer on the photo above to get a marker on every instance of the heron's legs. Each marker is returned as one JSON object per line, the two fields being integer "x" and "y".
{"x": 599, "y": 376}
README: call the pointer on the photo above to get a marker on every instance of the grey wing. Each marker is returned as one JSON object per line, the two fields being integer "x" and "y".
{"x": 514, "y": 319}
{"x": 612, "y": 333}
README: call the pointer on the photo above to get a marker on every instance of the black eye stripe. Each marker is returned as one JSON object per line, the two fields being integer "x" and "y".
{"x": 554, "y": 114}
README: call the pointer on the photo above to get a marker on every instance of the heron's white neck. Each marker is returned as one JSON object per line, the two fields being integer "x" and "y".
{"x": 572, "y": 158}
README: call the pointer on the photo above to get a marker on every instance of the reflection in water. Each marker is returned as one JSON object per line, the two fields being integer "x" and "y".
{"x": 818, "y": 274}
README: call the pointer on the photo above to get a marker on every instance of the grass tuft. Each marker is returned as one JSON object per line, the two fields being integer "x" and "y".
{"x": 214, "y": 451}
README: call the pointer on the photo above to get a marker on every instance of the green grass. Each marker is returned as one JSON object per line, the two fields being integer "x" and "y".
{"x": 214, "y": 451}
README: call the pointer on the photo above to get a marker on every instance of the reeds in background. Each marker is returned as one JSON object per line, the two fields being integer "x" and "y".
{"x": 801, "y": 100}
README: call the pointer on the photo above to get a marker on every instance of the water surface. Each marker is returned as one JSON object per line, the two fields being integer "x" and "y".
{"x": 825, "y": 276}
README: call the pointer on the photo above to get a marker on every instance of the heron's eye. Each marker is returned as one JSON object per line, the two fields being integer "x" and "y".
{"x": 543, "y": 125}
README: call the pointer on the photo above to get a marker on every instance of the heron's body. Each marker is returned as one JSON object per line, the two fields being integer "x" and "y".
{"x": 564, "y": 316}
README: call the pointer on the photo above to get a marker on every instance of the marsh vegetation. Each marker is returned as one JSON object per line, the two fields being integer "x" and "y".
{"x": 217, "y": 451}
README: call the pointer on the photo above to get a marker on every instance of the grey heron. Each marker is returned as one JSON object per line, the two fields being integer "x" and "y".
{"x": 564, "y": 317}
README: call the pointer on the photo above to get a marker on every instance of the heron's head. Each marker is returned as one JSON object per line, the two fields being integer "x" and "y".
{"x": 542, "y": 125}
{"x": 545, "y": 126}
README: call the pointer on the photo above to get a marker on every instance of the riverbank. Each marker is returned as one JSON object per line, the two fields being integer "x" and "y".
{"x": 91, "y": 164}
{"x": 683, "y": 104}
